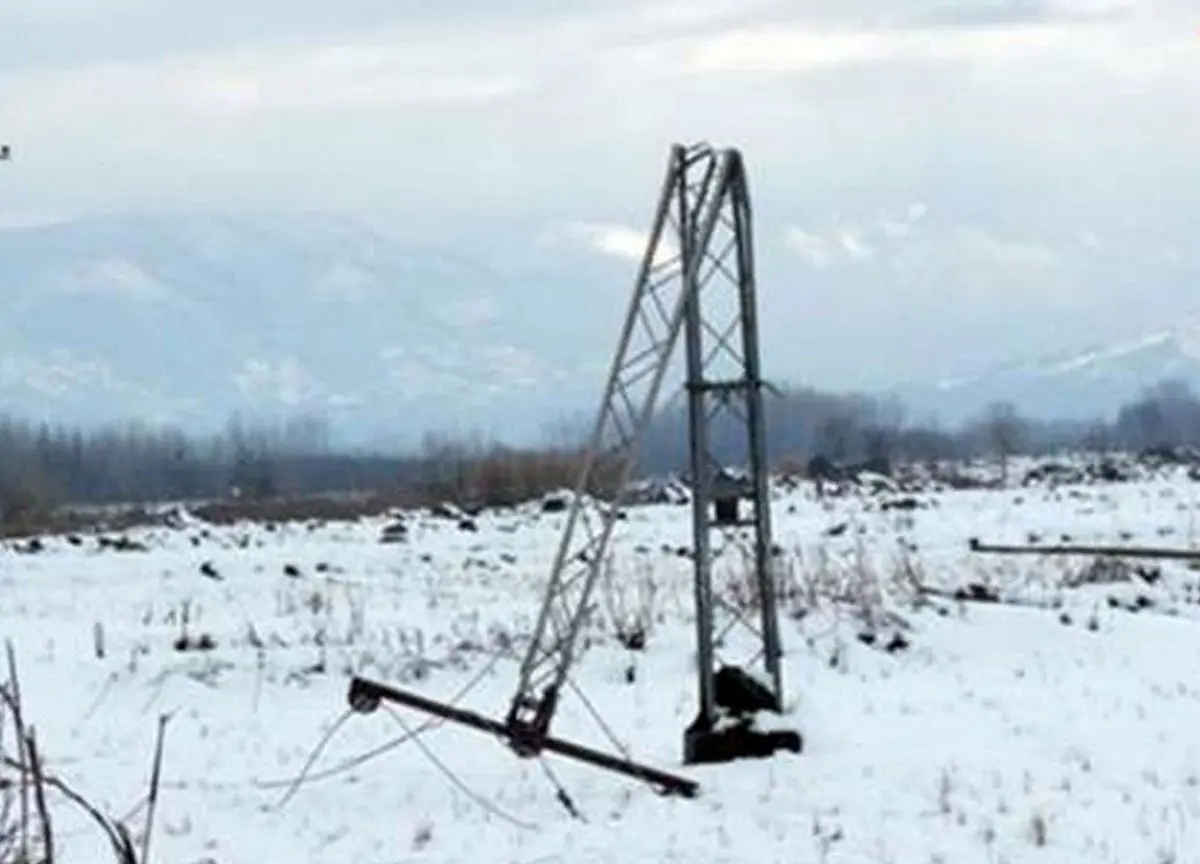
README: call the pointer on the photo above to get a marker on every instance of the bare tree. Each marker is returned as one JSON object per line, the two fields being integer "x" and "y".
{"x": 835, "y": 434}
{"x": 1098, "y": 437}
{"x": 1005, "y": 430}
{"x": 306, "y": 434}
{"x": 568, "y": 432}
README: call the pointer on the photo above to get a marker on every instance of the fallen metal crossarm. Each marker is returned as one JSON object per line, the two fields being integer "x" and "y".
{"x": 365, "y": 697}
{"x": 1158, "y": 552}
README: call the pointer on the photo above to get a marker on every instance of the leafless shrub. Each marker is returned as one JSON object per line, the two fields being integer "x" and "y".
{"x": 28, "y": 791}
{"x": 44, "y": 518}
{"x": 853, "y": 597}
{"x": 25, "y": 503}
{"x": 497, "y": 476}
{"x": 806, "y": 583}
{"x": 305, "y": 508}
{"x": 630, "y": 607}
{"x": 792, "y": 465}
{"x": 908, "y": 579}
{"x": 475, "y": 476}
{"x": 1100, "y": 570}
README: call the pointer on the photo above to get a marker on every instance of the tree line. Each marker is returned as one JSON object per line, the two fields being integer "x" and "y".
{"x": 804, "y": 422}
{"x": 42, "y": 465}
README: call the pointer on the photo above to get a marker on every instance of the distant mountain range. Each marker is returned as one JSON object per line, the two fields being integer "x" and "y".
{"x": 191, "y": 318}
{"x": 1072, "y": 386}
{"x": 188, "y": 319}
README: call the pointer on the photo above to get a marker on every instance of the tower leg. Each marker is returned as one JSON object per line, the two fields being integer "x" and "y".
{"x": 729, "y": 470}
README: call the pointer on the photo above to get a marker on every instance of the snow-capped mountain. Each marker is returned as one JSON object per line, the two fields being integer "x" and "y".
{"x": 1078, "y": 385}
{"x": 191, "y": 318}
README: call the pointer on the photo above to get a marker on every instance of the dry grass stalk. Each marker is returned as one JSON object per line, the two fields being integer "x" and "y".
{"x": 39, "y": 795}
{"x": 12, "y": 694}
{"x": 155, "y": 778}
{"x": 630, "y": 618}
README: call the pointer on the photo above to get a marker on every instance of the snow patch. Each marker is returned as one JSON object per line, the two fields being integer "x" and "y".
{"x": 113, "y": 277}
{"x": 346, "y": 283}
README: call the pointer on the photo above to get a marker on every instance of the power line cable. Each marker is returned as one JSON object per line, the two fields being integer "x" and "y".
{"x": 307, "y": 776}
{"x": 454, "y": 778}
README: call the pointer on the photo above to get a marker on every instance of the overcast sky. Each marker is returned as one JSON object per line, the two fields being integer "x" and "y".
{"x": 938, "y": 184}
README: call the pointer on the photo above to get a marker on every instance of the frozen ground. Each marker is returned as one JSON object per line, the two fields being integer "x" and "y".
{"x": 1060, "y": 729}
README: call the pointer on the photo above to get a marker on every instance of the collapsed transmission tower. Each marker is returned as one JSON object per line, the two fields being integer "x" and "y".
{"x": 696, "y": 279}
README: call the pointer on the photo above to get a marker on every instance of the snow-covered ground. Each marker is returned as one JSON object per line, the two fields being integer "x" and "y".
{"x": 1061, "y": 728}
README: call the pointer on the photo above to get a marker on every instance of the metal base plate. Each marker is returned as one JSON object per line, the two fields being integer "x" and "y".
{"x": 736, "y": 742}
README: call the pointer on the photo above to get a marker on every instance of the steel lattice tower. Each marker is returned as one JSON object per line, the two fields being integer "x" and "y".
{"x": 696, "y": 277}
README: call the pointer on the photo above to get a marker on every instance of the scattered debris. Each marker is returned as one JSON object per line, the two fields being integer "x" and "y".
{"x": 121, "y": 543}
{"x": 394, "y": 532}
{"x": 203, "y": 642}
{"x": 556, "y": 502}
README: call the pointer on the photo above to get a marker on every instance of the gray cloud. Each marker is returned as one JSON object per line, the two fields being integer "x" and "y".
{"x": 82, "y": 31}
{"x": 1008, "y": 12}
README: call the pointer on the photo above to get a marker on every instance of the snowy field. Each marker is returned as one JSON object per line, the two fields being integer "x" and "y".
{"x": 1059, "y": 727}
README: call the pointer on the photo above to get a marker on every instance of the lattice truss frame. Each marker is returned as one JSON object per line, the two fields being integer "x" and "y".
{"x": 703, "y": 196}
